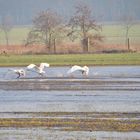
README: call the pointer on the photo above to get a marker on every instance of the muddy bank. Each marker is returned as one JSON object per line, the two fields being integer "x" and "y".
{"x": 85, "y": 115}
{"x": 69, "y": 84}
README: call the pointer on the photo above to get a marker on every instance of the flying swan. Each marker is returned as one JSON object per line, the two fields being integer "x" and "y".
{"x": 19, "y": 72}
{"x": 38, "y": 69}
{"x": 84, "y": 70}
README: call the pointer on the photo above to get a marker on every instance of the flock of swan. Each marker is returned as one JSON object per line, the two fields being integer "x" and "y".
{"x": 41, "y": 70}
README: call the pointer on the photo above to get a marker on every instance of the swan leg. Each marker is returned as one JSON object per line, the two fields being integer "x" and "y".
{"x": 41, "y": 74}
{"x": 18, "y": 75}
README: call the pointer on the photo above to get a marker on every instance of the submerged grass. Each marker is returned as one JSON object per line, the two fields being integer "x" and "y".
{"x": 74, "y": 124}
{"x": 72, "y": 59}
{"x": 102, "y": 121}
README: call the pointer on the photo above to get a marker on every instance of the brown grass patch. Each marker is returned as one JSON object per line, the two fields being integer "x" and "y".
{"x": 73, "y": 124}
{"x": 64, "y": 48}
{"x": 19, "y": 49}
{"x": 69, "y": 48}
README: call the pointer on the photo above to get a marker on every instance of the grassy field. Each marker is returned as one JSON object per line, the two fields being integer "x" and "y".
{"x": 72, "y": 59}
{"x": 118, "y": 30}
{"x": 17, "y": 36}
{"x": 115, "y": 33}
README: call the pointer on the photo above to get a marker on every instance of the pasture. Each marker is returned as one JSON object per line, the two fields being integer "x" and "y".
{"x": 72, "y": 59}
{"x": 113, "y": 34}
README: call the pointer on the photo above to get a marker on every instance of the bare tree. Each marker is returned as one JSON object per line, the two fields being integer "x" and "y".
{"x": 127, "y": 22}
{"x": 46, "y": 27}
{"x": 6, "y": 26}
{"x": 82, "y": 23}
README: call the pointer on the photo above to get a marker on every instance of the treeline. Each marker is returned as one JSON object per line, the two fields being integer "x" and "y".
{"x": 23, "y": 11}
{"x": 50, "y": 29}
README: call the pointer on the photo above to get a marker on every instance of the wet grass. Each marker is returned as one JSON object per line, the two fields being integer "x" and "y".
{"x": 77, "y": 123}
{"x": 74, "y": 124}
{"x": 72, "y": 59}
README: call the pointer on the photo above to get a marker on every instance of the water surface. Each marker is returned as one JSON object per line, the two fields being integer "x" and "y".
{"x": 100, "y": 101}
{"x": 118, "y": 90}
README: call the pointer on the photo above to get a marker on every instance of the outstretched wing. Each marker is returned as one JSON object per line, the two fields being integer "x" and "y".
{"x": 31, "y": 66}
{"x": 21, "y": 71}
{"x": 43, "y": 65}
{"x": 75, "y": 68}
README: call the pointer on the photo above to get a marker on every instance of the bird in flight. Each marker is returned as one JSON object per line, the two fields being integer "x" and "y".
{"x": 38, "y": 69}
{"x": 84, "y": 70}
{"x": 19, "y": 72}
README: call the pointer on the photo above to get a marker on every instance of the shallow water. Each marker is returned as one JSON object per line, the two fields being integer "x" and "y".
{"x": 81, "y": 101}
{"x": 94, "y": 72}
{"x": 118, "y": 91}
{"x": 45, "y": 134}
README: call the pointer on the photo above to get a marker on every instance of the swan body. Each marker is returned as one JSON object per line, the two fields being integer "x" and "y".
{"x": 84, "y": 70}
{"x": 19, "y": 72}
{"x": 38, "y": 69}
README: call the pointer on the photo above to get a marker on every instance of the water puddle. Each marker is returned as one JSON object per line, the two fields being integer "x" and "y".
{"x": 48, "y": 134}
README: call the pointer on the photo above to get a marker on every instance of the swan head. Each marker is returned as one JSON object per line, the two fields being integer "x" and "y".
{"x": 22, "y": 72}
{"x": 41, "y": 72}
{"x": 86, "y": 70}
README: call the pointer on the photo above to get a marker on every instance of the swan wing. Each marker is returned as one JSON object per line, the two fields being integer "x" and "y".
{"x": 43, "y": 65}
{"x": 75, "y": 68}
{"x": 32, "y": 66}
{"x": 86, "y": 70}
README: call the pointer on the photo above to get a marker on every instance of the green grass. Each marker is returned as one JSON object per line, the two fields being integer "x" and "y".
{"x": 119, "y": 31}
{"x": 18, "y": 34}
{"x": 72, "y": 59}
{"x": 115, "y": 34}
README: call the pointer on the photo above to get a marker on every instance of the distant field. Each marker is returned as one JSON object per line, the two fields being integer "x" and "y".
{"x": 17, "y": 36}
{"x": 118, "y": 30}
{"x": 72, "y": 59}
{"x": 115, "y": 34}
{"x": 112, "y": 33}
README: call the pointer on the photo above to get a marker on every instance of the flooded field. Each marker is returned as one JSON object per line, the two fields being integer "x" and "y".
{"x": 45, "y": 134}
{"x": 70, "y": 101}
{"x": 105, "y": 105}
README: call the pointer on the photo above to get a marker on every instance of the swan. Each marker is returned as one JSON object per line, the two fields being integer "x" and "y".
{"x": 38, "y": 69}
{"x": 19, "y": 72}
{"x": 84, "y": 70}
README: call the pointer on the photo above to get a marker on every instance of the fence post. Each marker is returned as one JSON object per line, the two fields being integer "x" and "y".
{"x": 54, "y": 43}
{"x": 128, "y": 44}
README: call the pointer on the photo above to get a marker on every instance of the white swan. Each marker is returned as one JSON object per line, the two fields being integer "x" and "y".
{"x": 19, "y": 72}
{"x": 38, "y": 69}
{"x": 84, "y": 70}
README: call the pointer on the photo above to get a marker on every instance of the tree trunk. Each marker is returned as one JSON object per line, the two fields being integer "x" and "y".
{"x": 85, "y": 45}
{"x": 127, "y": 39}
{"x": 128, "y": 44}
{"x": 54, "y": 43}
{"x": 49, "y": 44}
